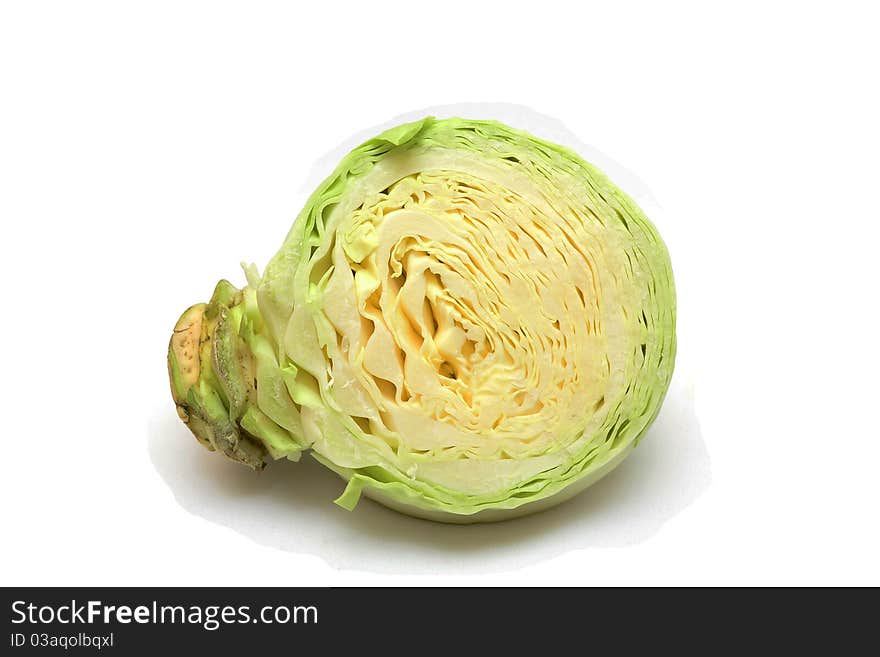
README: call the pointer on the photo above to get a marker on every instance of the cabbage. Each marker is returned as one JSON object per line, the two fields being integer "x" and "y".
{"x": 465, "y": 323}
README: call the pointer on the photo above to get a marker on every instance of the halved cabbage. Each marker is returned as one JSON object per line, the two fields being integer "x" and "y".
{"x": 465, "y": 323}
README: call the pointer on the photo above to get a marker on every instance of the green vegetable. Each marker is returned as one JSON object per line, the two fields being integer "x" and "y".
{"x": 465, "y": 323}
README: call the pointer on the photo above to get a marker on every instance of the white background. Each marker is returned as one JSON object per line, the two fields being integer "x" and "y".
{"x": 145, "y": 149}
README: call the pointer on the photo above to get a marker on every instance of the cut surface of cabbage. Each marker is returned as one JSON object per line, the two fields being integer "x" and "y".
{"x": 465, "y": 322}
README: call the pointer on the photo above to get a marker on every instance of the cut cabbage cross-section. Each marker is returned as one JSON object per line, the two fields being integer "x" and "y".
{"x": 465, "y": 322}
